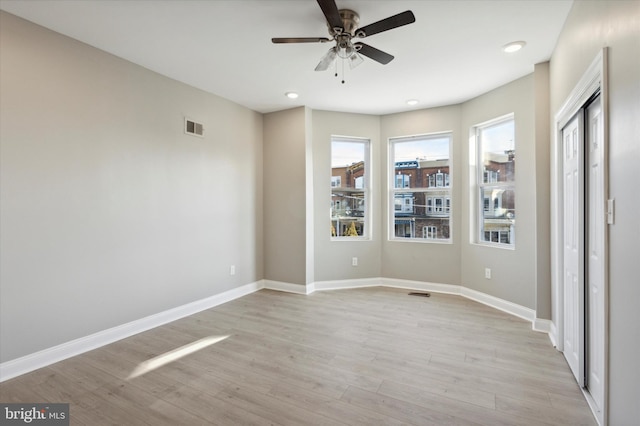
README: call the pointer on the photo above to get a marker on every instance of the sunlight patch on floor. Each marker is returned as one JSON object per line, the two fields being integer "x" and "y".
{"x": 174, "y": 355}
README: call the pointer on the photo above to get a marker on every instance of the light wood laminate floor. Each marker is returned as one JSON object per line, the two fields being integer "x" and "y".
{"x": 373, "y": 356}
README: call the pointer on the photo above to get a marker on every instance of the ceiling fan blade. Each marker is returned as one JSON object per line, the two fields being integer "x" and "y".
{"x": 300, "y": 40}
{"x": 327, "y": 60}
{"x": 373, "y": 53}
{"x": 330, "y": 11}
{"x": 389, "y": 23}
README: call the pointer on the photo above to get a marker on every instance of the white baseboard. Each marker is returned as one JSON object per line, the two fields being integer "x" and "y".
{"x": 288, "y": 287}
{"x": 57, "y": 353}
{"x": 78, "y": 346}
{"x": 422, "y": 286}
{"x": 495, "y": 302}
{"x": 500, "y": 304}
{"x": 347, "y": 284}
{"x": 553, "y": 336}
{"x": 542, "y": 325}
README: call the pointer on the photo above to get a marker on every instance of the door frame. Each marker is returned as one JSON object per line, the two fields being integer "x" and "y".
{"x": 593, "y": 80}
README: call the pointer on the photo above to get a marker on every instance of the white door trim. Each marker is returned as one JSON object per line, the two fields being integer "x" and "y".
{"x": 595, "y": 78}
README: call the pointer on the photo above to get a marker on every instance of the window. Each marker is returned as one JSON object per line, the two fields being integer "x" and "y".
{"x": 402, "y": 181}
{"x": 495, "y": 148}
{"x": 430, "y": 232}
{"x": 420, "y": 188}
{"x": 497, "y": 236}
{"x": 438, "y": 180}
{"x": 349, "y": 188}
{"x": 490, "y": 176}
{"x": 439, "y": 206}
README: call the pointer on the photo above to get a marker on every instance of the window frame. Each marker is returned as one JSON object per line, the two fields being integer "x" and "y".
{"x": 361, "y": 186}
{"x": 443, "y": 192}
{"x": 482, "y": 205}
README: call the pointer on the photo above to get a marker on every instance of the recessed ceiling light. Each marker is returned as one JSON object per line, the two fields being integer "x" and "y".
{"x": 412, "y": 102}
{"x": 291, "y": 95}
{"x": 513, "y": 46}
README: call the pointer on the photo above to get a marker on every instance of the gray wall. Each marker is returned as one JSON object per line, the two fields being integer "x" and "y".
{"x": 285, "y": 208}
{"x": 590, "y": 26}
{"x": 108, "y": 211}
{"x": 513, "y": 270}
{"x": 333, "y": 258}
{"x": 542, "y": 190}
{"x": 428, "y": 262}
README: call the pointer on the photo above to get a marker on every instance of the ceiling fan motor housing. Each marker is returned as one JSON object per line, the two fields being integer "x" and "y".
{"x": 350, "y": 21}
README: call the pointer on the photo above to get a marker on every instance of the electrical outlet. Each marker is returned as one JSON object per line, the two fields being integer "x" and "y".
{"x": 232, "y": 270}
{"x": 487, "y": 273}
{"x": 354, "y": 261}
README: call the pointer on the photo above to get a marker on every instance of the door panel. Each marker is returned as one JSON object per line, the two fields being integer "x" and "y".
{"x": 595, "y": 261}
{"x": 573, "y": 243}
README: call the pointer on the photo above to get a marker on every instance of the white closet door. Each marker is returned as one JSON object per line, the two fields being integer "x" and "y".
{"x": 595, "y": 255}
{"x": 573, "y": 246}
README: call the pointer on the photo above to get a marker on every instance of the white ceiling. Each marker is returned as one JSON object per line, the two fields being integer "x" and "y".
{"x": 452, "y": 52}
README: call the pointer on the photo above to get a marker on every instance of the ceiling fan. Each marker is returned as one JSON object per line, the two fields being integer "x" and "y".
{"x": 343, "y": 28}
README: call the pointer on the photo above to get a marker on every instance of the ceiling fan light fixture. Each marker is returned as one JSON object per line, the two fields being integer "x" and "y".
{"x": 328, "y": 59}
{"x": 344, "y": 53}
{"x": 513, "y": 47}
{"x": 355, "y": 60}
{"x": 344, "y": 47}
{"x": 291, "y": 95}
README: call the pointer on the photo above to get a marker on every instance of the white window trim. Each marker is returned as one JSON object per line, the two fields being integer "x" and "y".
{"x": 434, "y": 190}
{"x": 367, "y": 236}
{"x": 476, "y": 195}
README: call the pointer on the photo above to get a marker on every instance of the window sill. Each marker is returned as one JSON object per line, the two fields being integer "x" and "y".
{"x": 350, "y": 239}
{"x": 419, "y": 240}
{"x": 510, "y": 247}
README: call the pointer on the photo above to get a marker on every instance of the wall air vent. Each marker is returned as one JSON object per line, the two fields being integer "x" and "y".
{"x": 193, "y": 128}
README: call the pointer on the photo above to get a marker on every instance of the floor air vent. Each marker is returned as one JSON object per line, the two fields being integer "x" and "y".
{"x": 420, "y": 294}
{"x": 193, "y": 128}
